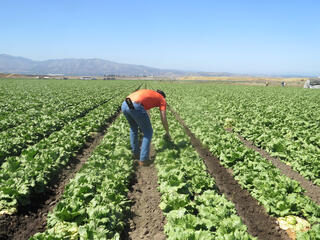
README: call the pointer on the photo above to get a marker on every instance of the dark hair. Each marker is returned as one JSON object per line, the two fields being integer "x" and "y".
{"x": 161, "y": 92}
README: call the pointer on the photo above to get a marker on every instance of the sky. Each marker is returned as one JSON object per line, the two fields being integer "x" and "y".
{"x": 239, "y": 36}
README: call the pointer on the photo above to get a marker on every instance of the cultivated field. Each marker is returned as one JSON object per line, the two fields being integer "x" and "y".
{"x": 249, "y": 80}
{"x": 243, "y": 163}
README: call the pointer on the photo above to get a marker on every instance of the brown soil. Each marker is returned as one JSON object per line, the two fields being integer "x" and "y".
{"x": 254, "y": 215}
{"x": 146, "y": 220}
{"x": 33, "y": 218}
{"x": 312, "y": 190}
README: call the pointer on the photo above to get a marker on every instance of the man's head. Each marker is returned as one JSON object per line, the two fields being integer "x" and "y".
{"x": 161, "y": 92}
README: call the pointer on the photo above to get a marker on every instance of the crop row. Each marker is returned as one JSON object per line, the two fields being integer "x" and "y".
{"x": 280, "y": 195}
{"x": 59, "y": 103}
{"x": 94, "y": 204}
{"x": 52, "y": 98}
{"x": 284, "y": 122}
{"x": 16, "y": 139}
{"x": 289, "y": 130}
{"x": 24, "y": 176}
{"x": 22, "y": 97}
{"x": 189, "y": 200}
{"x": 13, "y": 141}
{"x": 30, "y": 94}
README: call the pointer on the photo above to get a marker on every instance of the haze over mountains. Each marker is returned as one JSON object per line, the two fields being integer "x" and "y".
{"x": 99, "y": 67}
{"x": 95, "y": 66}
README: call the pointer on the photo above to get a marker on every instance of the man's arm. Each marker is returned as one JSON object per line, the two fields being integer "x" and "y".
{"x": 164, "y": 121}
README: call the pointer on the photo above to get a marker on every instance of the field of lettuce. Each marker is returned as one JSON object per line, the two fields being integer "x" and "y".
{"x": 67, "y": 168}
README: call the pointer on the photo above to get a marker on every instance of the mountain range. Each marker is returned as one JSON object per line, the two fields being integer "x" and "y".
{"x": 78, "y": 67}
{"x": 100, "y": 67}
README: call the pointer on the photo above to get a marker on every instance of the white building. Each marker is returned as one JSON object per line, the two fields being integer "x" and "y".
{"x": 312, "y": 83}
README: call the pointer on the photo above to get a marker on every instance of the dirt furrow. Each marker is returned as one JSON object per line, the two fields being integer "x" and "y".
{"x": 146, "y": 219}
{"x": 312, "y": 190}
{"x": 254, "y": 215}
{"x": 32, "y": 219}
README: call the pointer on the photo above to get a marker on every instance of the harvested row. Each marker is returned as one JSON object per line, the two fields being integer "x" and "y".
{"x": 28, "y": 175}
{"x": 193, "y": 207}
{"x": 279, "y": 195}
{"x": 94, "y": 204}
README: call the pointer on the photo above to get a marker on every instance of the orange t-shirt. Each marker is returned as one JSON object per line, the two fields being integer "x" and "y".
{"x": 149, "y": 99}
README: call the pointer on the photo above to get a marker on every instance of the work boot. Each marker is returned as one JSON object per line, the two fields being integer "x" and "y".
{"x": 144, "y": 163}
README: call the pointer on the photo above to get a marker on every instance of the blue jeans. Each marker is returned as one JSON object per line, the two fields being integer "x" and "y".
{"x": 138, "y": 118}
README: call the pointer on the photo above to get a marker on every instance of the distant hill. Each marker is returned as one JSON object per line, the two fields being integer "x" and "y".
{"x": 77, "y": 67}
{"x": 99, "y": 67}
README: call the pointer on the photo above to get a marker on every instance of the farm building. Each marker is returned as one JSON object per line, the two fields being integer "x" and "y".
{"x": 312, "y": 83}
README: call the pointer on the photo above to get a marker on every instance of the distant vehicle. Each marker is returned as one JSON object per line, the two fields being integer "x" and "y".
{"x": 312, "y": 83}
{"x": 86, "y": 78}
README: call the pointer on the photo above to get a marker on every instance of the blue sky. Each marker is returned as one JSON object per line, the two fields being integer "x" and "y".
{"x": 241, "y": 36}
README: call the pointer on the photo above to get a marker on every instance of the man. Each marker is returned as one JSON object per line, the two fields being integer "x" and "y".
{"x": 136, "y": 110}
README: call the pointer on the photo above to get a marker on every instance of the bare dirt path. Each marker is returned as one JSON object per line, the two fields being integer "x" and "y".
{"x": 32, "y": 219}
{"x": 312, "y": 190}
{"x": 146, "y": 220}
{"x": 259, "y": 223}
